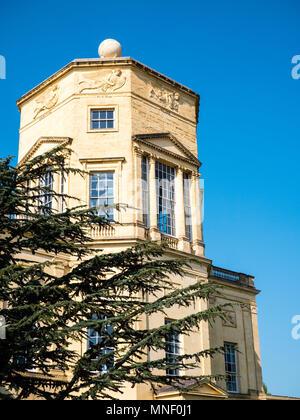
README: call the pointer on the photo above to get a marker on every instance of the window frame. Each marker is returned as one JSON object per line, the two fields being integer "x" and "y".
{"x": 177, "y": 344}
{"x": 102, "y": 107}
{"x": 145, "y": 190}
{"x": 187, "y": 202}
{"x": 45, "y": 201}
{"x": 168, "y": 203}
{"x": 106, "y": 165}
{"x": 98, "y": 338}
{"x": 233, "y": 374}
{"x": 106, "y": 197}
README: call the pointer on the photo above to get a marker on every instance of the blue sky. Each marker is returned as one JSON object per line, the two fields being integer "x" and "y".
{"x": 237, "y": 56}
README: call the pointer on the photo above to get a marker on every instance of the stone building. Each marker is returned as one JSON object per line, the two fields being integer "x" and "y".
{"x": 134, "y": 130}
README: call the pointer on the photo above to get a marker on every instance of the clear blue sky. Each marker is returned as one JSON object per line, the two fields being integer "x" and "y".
{"x": 237, "y": 55}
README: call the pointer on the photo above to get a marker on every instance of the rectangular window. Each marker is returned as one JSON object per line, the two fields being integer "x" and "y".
{"x": 96, "y": 337}
{"x": 172, "y": 350}
{"x": 27, "y": 205}
{"x": 45, "y": 199}
{"x": 102, "y": 119}
{"x": 231, "y": 367}
{"x": 165, "y": 191}
{"x": 145, "y": 191}
{"x": 187, "y": 205}
{"x": 62, "y": 180}
{"x": 21, "y": 357}
{"x": 102, "y": 193}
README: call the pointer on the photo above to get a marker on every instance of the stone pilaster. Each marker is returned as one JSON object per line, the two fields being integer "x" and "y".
{"x": 183, "y": 242}
{"x": 198, "y": 245}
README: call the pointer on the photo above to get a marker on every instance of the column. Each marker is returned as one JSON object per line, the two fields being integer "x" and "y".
{"x": 137, "y": 190}
{"x": 197, "y": 196}
{"x": 137, "y": 195}
{"x": 183, "y": 242}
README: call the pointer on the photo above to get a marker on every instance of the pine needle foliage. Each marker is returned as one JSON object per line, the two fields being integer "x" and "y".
{"x": 48, "y": 315}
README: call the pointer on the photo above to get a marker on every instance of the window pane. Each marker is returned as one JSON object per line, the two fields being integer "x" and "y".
{"x": 165, "y": 189}
{"x": 95, "y": 115}
{"x": 172, "y": 350}
{"x": 102, "y": 193}
{"x": 145, "y": 191}
{"x": 187, "y": 205}
{"x": 102, "y": 119}
{"x": 96, "y": 338}
{"x": 231, "y": 367}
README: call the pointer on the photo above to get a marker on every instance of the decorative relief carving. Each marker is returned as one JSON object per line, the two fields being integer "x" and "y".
{"x": 166, "y": 98}
{"x": 110, "y": 83}
{"x": 46, "y": 101}
{"x": 230, "y": 319}
{"x": 253, "y": 309}
{"x": 245, "y": 306}
{"x": 138, "y": 150}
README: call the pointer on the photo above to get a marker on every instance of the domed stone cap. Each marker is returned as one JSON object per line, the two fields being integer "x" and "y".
{"x": 110, "y": 48}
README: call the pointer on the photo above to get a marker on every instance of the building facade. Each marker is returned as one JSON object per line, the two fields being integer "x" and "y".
{"x": 134, "y": 131}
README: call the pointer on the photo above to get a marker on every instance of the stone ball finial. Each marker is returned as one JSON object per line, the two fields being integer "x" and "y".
{"x": 110, "y": 48}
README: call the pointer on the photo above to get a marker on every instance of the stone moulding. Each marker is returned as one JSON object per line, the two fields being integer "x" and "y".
{"x": 146, "y": 139}
{"x": 102, "y": 63}
{"x": 43, "y": 140}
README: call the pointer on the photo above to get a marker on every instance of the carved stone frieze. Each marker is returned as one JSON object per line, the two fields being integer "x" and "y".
{"x": 166, "y": 98}
{"x": 230, "y": 319}
{"x": 46, "y": 101}
{"x": 110, "y": 83}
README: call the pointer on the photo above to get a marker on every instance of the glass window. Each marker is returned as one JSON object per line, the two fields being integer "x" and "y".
{"x": 231, "y": 367}
{"x": 165, "y": 191}
{"x": 102, "y": 193}
{"x": 187, "y": 205}
{"x": 62, "y": 180}
{"x": 45, "y": 199}
{"x": 172, "y": 350}
{"x": 145, "y": 190}
{"x": 22, "y": 359}
{"x": 102, "y": 119}
{"x": 96, "y": 337}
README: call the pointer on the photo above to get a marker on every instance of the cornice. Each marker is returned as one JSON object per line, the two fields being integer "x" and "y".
{"x": 107, "y": 159}
{"x": 144, "y": 139}
{"x": 105, "y": 62}
{"x": 44, "y": 140}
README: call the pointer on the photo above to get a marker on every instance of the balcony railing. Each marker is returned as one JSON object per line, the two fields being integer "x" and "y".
{"x": 103, "y": 232}
{"x": 170, "y": 241}
{"x": 228, "y": 275}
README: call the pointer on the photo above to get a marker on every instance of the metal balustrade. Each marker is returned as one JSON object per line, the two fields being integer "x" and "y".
{"x": 228, "y": 275}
